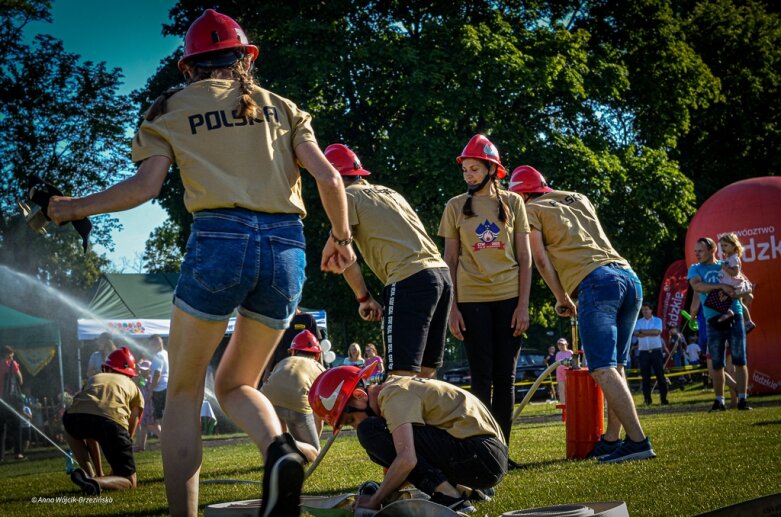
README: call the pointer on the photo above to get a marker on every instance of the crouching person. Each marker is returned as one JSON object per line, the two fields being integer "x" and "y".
{"x": 434, "y": 435}
{"x": 106, "y": 410}
{"x": 288, "y": 388}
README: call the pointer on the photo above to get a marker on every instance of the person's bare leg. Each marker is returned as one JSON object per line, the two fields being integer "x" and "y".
{"x": 426, "y": 372}
{"x": 241, "y": 366}
{"x": 620, "y": 402}
{"x": 613, "y": 430}
{"x": 94, "y": 454}
{"x": 741, "y": 378}
{"x": 80, "y": 454}
{"x": 191, "y": 345}
{"x": 116, "y": 482}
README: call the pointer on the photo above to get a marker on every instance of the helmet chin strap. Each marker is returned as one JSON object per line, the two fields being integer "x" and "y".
{"x": 472, "y": 189}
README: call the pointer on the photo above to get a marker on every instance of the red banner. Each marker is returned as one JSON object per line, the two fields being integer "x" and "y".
{"x": 672, "y": 296}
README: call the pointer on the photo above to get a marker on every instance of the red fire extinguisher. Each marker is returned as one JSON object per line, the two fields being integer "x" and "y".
{"x": 584, "y": 422}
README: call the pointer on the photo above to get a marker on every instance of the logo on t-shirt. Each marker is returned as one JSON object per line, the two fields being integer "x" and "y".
{"x": 487, "y": 232}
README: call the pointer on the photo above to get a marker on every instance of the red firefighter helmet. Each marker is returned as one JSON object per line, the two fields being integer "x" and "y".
{"x": 344, "y": 160}
{"x": 213, "y": 32}
{"x": 122, "y": 361}
{"x": 333, "y": 388}
{"x": 480, "y": 148}
{"x": 527, "y": 179}
{"x": 305, "y": 341}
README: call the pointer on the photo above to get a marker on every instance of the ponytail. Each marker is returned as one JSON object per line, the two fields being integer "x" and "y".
{"x": 467, "y": 208}
{"x": 247, "y": 105}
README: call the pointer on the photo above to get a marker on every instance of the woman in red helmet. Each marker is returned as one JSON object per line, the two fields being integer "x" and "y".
{"x": 487, "y": 249}
{"x": 107, "y": 410}
{"x": 237, "y": 147}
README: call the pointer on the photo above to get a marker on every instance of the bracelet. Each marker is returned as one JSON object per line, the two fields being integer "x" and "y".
{"x": 364, "y": 298}
{"x": 341, "y": 242}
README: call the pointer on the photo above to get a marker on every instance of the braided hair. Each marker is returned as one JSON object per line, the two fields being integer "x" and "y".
{"x": 467, "y": 209}
{"x": 247, "y": 105}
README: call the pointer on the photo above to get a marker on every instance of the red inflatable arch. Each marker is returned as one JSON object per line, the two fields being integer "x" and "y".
{"x": 752, "y": 209}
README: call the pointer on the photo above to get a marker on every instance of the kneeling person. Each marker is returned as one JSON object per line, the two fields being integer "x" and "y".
{"x": 424, "y": 431}
{"x": 288, "y": 388}
{"x": 107, "y": 410}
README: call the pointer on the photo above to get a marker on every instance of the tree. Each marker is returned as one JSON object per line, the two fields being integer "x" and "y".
{"x": 406, "y": 84}
{"x": 161, "y": 253}
{"x": 62, "y": 120}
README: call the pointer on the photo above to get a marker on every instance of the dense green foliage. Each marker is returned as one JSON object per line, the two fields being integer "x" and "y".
{"x": 648, "y": 108}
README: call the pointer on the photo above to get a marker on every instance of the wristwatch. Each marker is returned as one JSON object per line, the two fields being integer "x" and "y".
{"x": 341, "y": 242}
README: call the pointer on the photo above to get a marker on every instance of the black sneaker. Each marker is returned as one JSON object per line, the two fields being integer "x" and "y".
{"x": 743, "y": 405}
{"x": 484, "y": 495}
{"x": 283, "y": 476}
{"x": 717, "y": 406}
{"x": 457, "y": 504}
{"x": 88, "y": 485}
{"x": 603, "y": 448}
{"x": 629, "y": 451}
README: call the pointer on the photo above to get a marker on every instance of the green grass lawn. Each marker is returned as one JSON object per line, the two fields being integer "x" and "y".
{"x": 705, "y": 461}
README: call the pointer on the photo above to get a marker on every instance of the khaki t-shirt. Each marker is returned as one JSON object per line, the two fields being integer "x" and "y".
{"x": 225, "y": 160}
{"x": 389, "y": 233}
{"x": 487, "y": 268}
{"x": 290, "y": 381}
{"x": 573, "y": 236}
{"x": 110, "y": 395}
{"x": 436, "y": 403}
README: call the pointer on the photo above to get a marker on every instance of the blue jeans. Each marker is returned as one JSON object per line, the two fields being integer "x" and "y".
{"x": 300, "y": 425}
{"x": 240, "y": 258}
{"x": 476, "y": 462}
{"x": 717, "y": 339}
{"x": 609, "y": 300}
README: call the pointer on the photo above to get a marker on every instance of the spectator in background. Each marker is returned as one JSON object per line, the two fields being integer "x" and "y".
{"x": 370, "y": 351}
{"x": 105, "y": 347}
{"x": 550, "y": 356}
{"x": 148, "y": 423}
{"x": 561, "y": 375}
{"x": 11, "y": 381}
{"x": 159, "y": 382}
{"x": 208, "y": 418}
{"x": 353, "y": 356}
{"x": 676, "y": 344}
{"x": 693, "y": 351}
{"x": 704, "y": 277}
{"x": 648, "y": 330}
{"x": 634, "y": 352}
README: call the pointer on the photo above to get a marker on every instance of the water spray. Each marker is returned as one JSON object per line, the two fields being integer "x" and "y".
{"x": 24, "y": 419}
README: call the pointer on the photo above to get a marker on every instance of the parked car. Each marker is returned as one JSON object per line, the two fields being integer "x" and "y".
{"x": 528, "y": 368}
{"x": 459, "y": 376}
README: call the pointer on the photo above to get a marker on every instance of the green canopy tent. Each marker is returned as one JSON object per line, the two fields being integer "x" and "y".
{"x": 140, "y": 305}
{"x": 24, "y": 333}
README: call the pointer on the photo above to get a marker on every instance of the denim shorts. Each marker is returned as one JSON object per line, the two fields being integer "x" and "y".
{"x": 735, "y": 336}
{"x": 609, "y": 300}
{"x": 240, "y": 258}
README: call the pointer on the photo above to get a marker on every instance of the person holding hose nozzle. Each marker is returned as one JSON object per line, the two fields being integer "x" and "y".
{"x": 238, "y": 148}
{"x": 575, "y": 258}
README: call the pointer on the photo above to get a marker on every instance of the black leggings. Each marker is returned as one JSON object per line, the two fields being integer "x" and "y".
{"x": 477, "y": 462}
{"x": 492, "y": 351}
